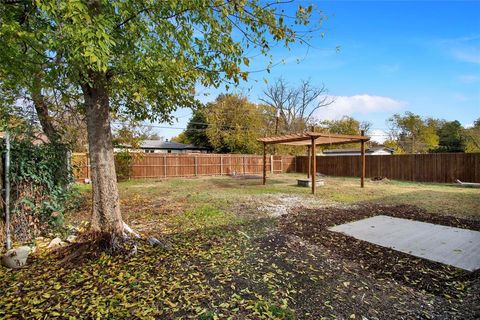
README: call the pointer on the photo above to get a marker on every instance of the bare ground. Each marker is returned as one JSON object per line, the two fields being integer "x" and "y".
{"x": 243, "y": 253}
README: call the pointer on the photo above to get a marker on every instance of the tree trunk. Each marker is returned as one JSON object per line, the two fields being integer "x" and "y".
{"x": 45, "y": 121}
{"x": 41, "y": 108}
{"x": 52, "y": 133}
{"x": 106, "y": 215}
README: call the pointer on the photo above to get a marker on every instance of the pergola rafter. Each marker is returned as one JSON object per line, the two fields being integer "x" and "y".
{"x": 311, "y": 140}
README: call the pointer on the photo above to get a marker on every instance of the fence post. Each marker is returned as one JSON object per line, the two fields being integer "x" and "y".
{"x": 144, "y": 170}
{"x": 196, "y": 165}
{"x": 243, "y": 160}
{"x": 271, "y": 164}
{"x": 165, "y": 166}
{"x": 176, "y": 165}
{"x": 221, "y": 165}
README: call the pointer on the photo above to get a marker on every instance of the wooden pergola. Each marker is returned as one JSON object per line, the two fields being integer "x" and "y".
{"x": 311, "y": 140}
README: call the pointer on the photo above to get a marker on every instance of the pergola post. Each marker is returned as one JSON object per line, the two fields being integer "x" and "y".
{"x": 264, "y": 163}
{"x": 314, "y": 166}
{"x": 362, "y": 177}
{"x": 309, "y": 157}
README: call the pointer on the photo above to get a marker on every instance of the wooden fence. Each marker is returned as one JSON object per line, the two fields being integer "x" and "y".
{"x": 190, "y": 165}
{"x": 441, "y": 167}
{"x": 438, "y": 167}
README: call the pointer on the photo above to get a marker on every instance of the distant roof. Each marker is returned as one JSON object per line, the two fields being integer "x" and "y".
{"x": 168, "y": 145}
{"x": 351, "y": 150}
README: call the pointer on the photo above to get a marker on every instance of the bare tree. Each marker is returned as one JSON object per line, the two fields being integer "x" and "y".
{"x": 366, "y": 126}
{"x": 296, "y": 106}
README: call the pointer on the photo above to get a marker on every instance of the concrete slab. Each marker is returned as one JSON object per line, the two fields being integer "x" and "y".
{"x": 308, "y": 182}
{"x": 448, "y": 245}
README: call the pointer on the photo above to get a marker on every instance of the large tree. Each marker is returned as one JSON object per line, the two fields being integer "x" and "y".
{"x": 143, "y": 58}
{"x": 345, "y": 125}
{"x": 196, "y": 129}
{"x": 295, "y": 106}
{"x": 451, "y": 137}
{"x": 472, "y": 137}
{"x": 234, "y": 124}
{"x": 412, "y": 133}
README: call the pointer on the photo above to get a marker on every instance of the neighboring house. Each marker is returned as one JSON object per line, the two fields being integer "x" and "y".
{"x": 374, "y": 151}
{"x": 160, "y": 146}
{"x": 39, "y": 138}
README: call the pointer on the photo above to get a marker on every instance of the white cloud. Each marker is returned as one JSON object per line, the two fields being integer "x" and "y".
{"x": 466, "y": 49}
{"x": 468, "y": 78}
{"x": 378, "y": 135}
{"x": 359, "y": 104}
{"x": 471, "y": 55}
{"x": 460, "y": 97}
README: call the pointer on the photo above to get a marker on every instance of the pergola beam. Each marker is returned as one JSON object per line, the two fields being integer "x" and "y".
{"x": 305, "y": 138}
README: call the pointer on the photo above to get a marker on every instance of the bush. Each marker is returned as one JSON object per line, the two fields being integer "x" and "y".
{"x": 123, "y": 165}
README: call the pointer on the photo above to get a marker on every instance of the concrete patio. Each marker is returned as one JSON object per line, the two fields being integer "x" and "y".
{"x": 453, "y": 246}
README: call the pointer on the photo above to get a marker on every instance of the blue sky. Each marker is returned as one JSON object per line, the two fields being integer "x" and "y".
{"x": 420, "y": 56}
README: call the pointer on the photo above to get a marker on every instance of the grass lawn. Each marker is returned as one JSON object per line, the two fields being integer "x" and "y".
{"x": 241, "y": 250}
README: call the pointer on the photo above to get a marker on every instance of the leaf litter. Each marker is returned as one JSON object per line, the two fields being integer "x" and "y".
{"x": 278, "y": 261}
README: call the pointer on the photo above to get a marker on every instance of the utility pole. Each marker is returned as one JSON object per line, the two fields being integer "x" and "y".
{"x": 7, "y": 192}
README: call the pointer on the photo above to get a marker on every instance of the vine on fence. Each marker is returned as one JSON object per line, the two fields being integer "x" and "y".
{"x": 41, "y": 189}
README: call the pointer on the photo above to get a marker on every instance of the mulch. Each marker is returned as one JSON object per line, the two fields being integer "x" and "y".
{"x": 454, "y": 293}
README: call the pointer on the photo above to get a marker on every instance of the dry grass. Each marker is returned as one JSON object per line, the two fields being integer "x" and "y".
{"x": 180, "y": 193}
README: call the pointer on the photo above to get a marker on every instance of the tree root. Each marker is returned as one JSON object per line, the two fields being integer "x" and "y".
{"x": 91, "y": 244}
{"x": 129, "y": 231}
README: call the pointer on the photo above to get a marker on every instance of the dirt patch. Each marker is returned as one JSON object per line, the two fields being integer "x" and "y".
{"x": 276, "y": 205}
{"x": 146, "y": 214}
{"x": 246, "y": 177}
{"x": 453, "y": 293}
{"x": 379, "y": 179}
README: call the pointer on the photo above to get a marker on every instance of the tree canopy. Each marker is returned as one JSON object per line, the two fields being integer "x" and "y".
{"x": 196, "y": 129}
{"x": 412, "y": 133}
{"x": 451, "y": 137}
{"x": 234, "y": 124}
{"x": 151, "y": 54}
{"x": 472, "y": 137}
{"x": 141, "y": 58}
